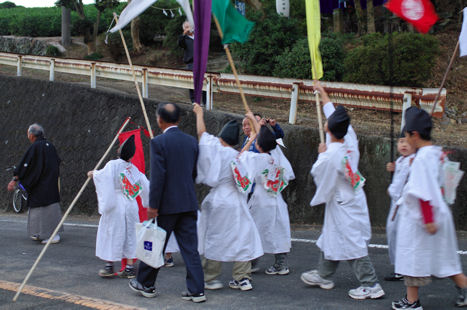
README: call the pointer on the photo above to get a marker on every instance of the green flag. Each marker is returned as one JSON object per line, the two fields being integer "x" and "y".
{"x": 235, "y": 27}
{"x": 313, "y": 22}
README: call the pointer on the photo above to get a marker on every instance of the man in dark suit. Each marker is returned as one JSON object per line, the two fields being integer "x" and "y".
{"x": 173, "y": 201}
{"x": 186, "y": 41}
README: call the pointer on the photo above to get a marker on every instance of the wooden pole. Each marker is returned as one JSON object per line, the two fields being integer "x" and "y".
{"x": 67, "y": 212}
{"x": 232, "y": 65}
{"x": 234, "y": 70}
{"x": 318, "y": 108}
{"x": 134, "y": 79}
{"x": 445, "y": 76}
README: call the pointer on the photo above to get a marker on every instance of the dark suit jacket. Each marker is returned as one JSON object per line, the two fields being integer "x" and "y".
{"x": 173, "y": 171}
{"x": 186, "y": 43}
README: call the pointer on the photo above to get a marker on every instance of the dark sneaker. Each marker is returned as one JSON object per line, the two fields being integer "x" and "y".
{"x": 148, "y": 292}
{"x": 128, "y": 273}
{"x": 200, "y": 297}
{"x": 462, "y": 299}
{"x": 169, "y": 262}
{"x": 394, "y": 277}
{"x": 275, "y": 270}
{"x": 244, "y": 284}
{"x": 404, "y": 304}
{"x": 107, "y": 272}
{"x": 35, "y": 238}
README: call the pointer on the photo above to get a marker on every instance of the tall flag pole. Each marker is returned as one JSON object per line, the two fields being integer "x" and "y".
{"x": 462, "y": 44}
{"x": 232, "y": 27}
{"x": 313, "y": 21}
{"x": 202, "y": 18}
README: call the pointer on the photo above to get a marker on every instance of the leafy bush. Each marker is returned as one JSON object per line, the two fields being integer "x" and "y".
{"x": 270, "y": 37}
{"x": 44, "y": 22}
{"x": 115, "y": 44}
{"x": 295, "y": 62}
{"x": 7, "y": 5}
{"x": 413, "y": 58}
{"x": 52, "y": 51}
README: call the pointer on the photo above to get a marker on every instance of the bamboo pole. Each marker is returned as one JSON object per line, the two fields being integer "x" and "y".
{"x": 318, "y": 107}
{"x": 234, "y": 70}
{"x": 67, "y": 212}
{"x": 134, "y": 79}
{"x": 445, "y": 76}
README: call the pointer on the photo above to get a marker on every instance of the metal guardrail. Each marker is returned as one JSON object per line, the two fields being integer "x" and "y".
{"x": 372, "y": 97}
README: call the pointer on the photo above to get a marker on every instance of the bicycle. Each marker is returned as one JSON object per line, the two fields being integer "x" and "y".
{"x": 20, "y": 196}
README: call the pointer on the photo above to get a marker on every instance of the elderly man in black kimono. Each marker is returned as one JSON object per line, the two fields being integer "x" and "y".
{"x": 38, "y": 172}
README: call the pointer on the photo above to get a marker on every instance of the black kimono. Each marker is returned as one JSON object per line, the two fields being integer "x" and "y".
{"x": 38, "y": 172}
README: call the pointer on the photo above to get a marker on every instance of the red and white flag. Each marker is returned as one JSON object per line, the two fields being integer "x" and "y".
{"x": 420, "y": 13}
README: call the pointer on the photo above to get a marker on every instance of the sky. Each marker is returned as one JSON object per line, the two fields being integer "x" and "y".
{"x": 37, "y": 3}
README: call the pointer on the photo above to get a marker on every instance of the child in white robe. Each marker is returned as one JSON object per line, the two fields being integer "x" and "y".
{"x": 117, "y": 186}
{"x": 268, "y": 208}
{"x": 401, "y": 168}
{"x": 226, "y": 230}
{"x": 426, "y": 238}
{"x": 346, "y": 229}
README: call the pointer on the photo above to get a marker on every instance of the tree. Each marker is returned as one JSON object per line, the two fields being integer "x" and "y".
{"x": 66, "y": 24}
{"x": 370, "y": 16}
{"x": 84, "y": 25}
{"x": 7, "y": 5}
{"x": 360, "y": 17}
{"x": 101, "y": 6}
{"x": 137, "y": 46}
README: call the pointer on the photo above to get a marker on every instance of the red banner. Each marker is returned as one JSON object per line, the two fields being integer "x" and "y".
{"x": 420, "y": 13}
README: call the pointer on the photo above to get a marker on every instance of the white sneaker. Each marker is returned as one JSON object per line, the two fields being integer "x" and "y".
{"x": 365, "y": 292}
{"x": 313, "y": 278}
{"x": 56, "y": 239}
{"x": 244, "y": 284}
{"x": 213, "y": 285}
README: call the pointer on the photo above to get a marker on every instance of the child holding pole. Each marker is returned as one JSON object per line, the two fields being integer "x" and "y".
{"x": 117, "y": 186}
{"x": 226, "y": 230}
{"x": 346, "y": 229}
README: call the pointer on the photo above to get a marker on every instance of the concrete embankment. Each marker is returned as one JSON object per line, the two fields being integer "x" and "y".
{"x": 81, "y": 122}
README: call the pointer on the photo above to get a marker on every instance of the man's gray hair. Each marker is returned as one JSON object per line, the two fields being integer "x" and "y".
{"x": 36, "y": 130}
{"x": 185, "y": 22}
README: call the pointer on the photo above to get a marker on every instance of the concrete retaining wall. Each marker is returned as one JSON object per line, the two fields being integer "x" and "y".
{"x": 81, "y": 122}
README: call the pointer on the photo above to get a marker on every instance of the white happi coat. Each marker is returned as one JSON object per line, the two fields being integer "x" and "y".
{"x": 418, "y": 253}
{"x": 116, "y": 235}
{"x": 269, "y": 212}
{"x": 226, "y": 230}
{"x": 346, "y": 230}
{"x": 399, "y": 179}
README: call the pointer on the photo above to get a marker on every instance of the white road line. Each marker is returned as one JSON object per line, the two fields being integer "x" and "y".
{"x": 371, "y": 245}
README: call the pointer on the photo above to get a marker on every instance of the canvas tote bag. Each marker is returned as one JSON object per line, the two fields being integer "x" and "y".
{"x": 150, "y": 240}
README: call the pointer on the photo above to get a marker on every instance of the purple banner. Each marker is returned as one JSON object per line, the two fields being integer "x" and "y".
{"x": 327, "y": 6}
{"x": 202, "y": 17}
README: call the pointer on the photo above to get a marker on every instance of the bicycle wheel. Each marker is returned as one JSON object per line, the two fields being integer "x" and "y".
{"x": 17, "y": 200}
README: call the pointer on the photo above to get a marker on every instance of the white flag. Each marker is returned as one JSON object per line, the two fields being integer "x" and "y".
{"x": 136, "y": 7}
{"x": 463, "y": 36}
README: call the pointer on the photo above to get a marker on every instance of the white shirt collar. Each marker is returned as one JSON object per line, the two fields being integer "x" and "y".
{"x": 173, "y": 126}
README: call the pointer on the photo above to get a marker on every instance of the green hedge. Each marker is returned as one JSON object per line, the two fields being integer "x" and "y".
{"x": 413, "y": 58}
{"x": 295, "y": 62}
{"x": 45, "y": 22}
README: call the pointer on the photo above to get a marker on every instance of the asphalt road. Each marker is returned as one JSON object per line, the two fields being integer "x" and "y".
{"x": 66, "y": 277}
